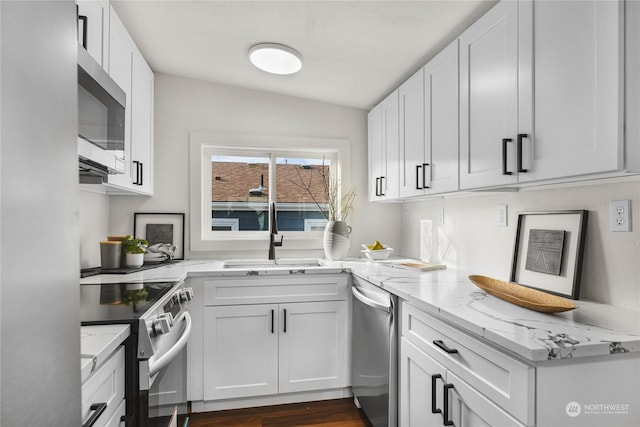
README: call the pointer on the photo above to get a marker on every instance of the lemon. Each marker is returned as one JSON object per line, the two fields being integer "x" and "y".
{"x": 376, "y": 246}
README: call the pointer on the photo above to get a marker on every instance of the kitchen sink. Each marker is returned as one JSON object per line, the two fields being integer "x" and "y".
{"x": 269, "y": 263}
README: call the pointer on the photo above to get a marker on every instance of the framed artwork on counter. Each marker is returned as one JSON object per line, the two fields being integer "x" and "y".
{"x": 161, "y": 228}
{"x": 548, "y": 251}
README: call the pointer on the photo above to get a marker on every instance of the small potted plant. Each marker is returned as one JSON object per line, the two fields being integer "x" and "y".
{"x": 134, "y": 250}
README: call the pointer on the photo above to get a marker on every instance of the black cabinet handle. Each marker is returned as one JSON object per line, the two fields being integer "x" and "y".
{"x": 98, "y": 409}
{"x": 505, "y": 141}
{"x": 445, "y": 415}
{"x": 140, "y": 181}
{"x": 434, "y": 406}
{"x": 442, "y": 346}
{"x": 381, "y": 187}
{"x": 272, "y": 320}
{"x": 377, "y": 186}
{"x": 137, "y": 165}
{"x": 519, "y": 149}
{"x": 424, "y": 178}
{"x": 418, "y": 186}
{"x": 284, "y": 310}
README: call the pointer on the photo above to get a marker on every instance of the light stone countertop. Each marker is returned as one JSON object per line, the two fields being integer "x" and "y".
{"x": 590, "y": 330}
{"x": 97, "y": 343}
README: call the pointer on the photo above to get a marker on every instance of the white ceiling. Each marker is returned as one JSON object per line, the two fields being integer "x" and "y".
{"x": 355, "y": 52}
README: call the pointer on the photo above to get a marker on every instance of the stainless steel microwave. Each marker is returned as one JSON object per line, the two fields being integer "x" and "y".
{"x": 101, "y": 120}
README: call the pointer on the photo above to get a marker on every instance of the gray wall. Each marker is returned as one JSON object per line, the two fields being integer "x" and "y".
{"x": 184, "y": 105}
{"x": 611, "y": 271}
{"x": 40, "y": 325}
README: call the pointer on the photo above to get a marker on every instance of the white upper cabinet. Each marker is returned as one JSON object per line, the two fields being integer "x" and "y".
{"x": 93, "y": 28}
{"x": 632, "y": 85}
{"x": 428, "y": 111}
{"x": 131, "y": 72}
{"x": 413, "y": 153}
{"x": 571, "y": 88}
{"x": 441, "y": 121}
{"x": 383, "y": 149}
{"x": 489, "y": 98}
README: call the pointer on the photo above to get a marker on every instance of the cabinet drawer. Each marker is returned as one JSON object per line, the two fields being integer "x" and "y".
{"x": 501, "y": 378}
{"x": 261, "y": 290}
{"x": 106, "y": 386}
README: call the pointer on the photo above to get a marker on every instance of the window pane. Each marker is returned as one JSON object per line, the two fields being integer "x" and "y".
{"x": 300, "y": 194}
{"x": 239, "y": 193}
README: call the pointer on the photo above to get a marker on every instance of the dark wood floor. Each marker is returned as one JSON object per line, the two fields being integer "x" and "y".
{"x": 327, "y": 413}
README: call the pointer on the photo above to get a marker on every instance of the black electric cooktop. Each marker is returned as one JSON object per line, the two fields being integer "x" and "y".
{"x": 119, "y": 302}
{"x": 94, "y": 271}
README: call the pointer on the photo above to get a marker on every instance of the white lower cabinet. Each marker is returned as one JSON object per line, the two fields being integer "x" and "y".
{"x": 260, "y": 349}
{"x": 449, "y": 377}
{"x": 431, "y": 395}
{"x": 103, "y": 393}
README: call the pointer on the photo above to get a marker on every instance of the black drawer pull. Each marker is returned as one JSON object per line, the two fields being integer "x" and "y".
{"x": 98, "y": 409}
{"x": 446, "y": 389}
{"x": 442, "y": 346}
{"x": 285, "y": 320}
{"x": 418, "y": 186}
{"x": 505, "y": 141}
{"x": 272, "y": 320}
{"x": 434, "y": 407}
{"x": 519, "y": 149}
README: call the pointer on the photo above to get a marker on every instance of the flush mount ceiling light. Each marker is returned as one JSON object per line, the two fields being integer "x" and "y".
{"x": 275, "y": 58}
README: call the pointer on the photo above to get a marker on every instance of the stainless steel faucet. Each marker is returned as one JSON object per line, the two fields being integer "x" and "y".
{"x": 272, "y": 232}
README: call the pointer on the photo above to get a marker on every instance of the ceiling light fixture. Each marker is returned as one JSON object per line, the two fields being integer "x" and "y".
{"x": 275, "y": 58}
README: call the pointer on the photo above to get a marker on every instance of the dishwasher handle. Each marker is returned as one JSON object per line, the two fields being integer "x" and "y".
{"x": 371, "y": 303}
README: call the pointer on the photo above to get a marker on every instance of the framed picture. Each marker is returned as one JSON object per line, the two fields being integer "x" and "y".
{"x": 161, "y": 228}
{"x": 548, "y": 251}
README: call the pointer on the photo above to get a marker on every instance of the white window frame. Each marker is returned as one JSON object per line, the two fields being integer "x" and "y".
{"x": 202, "y": 145}
{"x": 310, "y": 223}
{"x": 234, "y": 223}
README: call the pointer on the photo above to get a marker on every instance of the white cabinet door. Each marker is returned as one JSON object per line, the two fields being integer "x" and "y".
{"x": 240, "y": 351}
{"x": 120, "y": 66}
{"x": 142, "y": 124}
{"x": 375, "y": 145}
{"x": 383, "y": 149}
{"x": 412, "y": 163}
{"x": 632, "y": 86}
{"x": 313, "y": 346}
{"x": 420, "y": 377}
{"x": 489, "y": 98}
{"x": 96, "y": 27}
{"x": 441, "y": 79}
{"x": 131, "y": 72}
{"x": 466, "y": 407}
{"x": 574, "y": 126}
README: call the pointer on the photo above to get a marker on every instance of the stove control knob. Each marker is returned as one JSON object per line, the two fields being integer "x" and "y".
{"x": 186, "y": 295}
{"x": 162, "y": 324}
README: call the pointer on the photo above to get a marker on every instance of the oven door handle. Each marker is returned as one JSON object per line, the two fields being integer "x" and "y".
{"x": 156, "y": 365}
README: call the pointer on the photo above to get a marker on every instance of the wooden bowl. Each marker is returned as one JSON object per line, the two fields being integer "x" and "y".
{"x": 522, "y": 296}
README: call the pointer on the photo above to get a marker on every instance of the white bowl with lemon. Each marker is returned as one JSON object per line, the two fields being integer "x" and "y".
{"x": 377, "y": 251}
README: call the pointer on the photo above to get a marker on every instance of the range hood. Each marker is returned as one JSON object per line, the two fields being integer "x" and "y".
{"x": 91, "y": 172}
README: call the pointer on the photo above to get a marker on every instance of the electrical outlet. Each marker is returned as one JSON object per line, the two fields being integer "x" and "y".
{"x": 441, "y": 216}
{"x": 620, "y": 215}
{"x": 502, "y": 216}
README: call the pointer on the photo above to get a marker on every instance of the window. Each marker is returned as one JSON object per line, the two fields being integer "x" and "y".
{"x": 239, "y": 177}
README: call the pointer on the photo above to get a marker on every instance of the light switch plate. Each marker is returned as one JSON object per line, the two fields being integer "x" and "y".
{"x": 501, "y": 220}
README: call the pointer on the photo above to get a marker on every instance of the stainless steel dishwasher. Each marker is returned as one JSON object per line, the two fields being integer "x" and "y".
{"x": 374, "y": 353}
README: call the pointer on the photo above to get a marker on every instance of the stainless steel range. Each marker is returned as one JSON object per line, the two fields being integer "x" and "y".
{"x": 155, "y": 353}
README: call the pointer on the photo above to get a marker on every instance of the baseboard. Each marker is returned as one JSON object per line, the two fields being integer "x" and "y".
{"x": 278, "y": 399}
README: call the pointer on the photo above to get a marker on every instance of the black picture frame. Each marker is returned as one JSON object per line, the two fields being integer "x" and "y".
{"x": 567, "y": 282}
{"x": 167, "y": 228}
